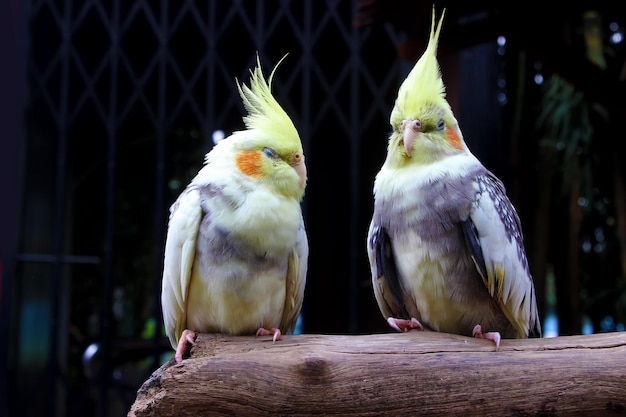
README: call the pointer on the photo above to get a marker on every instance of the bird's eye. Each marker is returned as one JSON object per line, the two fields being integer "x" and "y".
{"x": 441, "y": 124}
{"x": 270, "y": 153}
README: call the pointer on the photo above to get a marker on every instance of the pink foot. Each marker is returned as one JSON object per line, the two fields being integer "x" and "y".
{"x": 493, "y": 336}
{"x": 403, "y": 325}
{"x": 187, "y": 339}
{"x": 273, "y": 331}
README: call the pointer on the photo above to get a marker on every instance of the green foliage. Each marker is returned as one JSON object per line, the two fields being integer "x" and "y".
{"x": 571, "y": 125}
{"x": 566, "y": 120}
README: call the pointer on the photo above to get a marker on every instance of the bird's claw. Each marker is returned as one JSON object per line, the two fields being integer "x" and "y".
{"x": 493, "y": 336}
{"x": 188, "y": 337}
{"x": 403, "y": 325}
{"x": 266, "y": 332}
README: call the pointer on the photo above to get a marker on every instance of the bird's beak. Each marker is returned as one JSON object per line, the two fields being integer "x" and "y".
{"x": 409, "y": 138}
{"x": 409, "y": 131}
{"x": 300, "y": 167}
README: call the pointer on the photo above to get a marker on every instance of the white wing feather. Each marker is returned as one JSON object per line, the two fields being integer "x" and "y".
{"x": 180, "y": 249}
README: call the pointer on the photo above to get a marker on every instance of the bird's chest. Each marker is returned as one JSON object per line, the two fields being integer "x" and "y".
{"x": 441, "y": 284}
{"x": 260, "y": 223}
{"x": 432, "y": 264}
{"x": 238, "y": 300}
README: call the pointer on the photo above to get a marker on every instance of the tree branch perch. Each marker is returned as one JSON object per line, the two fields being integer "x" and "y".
{"x": 394, "y": 374}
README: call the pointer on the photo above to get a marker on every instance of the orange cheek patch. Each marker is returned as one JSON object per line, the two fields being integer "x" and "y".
{"x": 249, "y": 162}
{"x": 454, "y": 139}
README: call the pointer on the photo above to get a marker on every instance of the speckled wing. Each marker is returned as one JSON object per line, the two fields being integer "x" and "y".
{"x": 296, "y": 280}
{"x": 494, "y": 238}
{"x": 180, "y": 251}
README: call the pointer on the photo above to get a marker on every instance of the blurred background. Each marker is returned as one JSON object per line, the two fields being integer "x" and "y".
{"x": 108, "y": 107}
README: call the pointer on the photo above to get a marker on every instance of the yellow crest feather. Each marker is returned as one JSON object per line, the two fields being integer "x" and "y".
{"x": 265, "y": 115}
{"x": 423, "y": 85}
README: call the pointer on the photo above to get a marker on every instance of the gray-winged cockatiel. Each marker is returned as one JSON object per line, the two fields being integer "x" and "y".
{"x": 445, "y": 243}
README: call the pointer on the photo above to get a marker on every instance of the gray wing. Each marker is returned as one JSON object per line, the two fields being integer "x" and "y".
{"x": 385, "y": 279}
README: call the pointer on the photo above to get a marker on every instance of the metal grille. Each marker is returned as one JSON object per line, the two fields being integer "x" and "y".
{"x": 123, "y": 99}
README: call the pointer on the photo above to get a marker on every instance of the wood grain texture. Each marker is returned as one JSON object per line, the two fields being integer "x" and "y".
{"x": 395, "y": 374}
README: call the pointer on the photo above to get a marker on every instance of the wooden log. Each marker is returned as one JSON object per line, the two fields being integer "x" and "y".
{"x": 395, "y": 374}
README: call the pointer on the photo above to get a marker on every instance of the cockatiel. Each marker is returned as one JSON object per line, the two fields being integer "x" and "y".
{"x": 236, "y": 251}
{"x": 445, "y": 244}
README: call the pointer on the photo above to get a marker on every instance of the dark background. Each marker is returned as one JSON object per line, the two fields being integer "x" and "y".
{"x": 108, "y": 108}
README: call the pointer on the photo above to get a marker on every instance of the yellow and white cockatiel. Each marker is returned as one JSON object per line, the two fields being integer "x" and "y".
{"x": 445, "y": 244}
{"x": 236, "y": 252}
